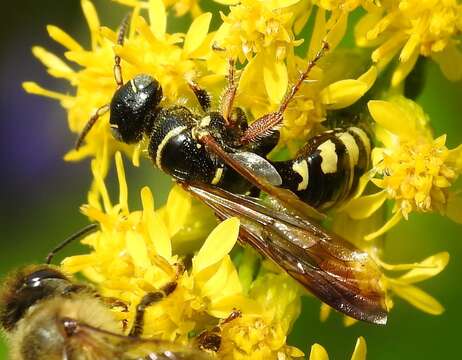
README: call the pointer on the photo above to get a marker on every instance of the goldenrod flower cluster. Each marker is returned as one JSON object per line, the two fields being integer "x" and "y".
{"x": 136, "y": 252}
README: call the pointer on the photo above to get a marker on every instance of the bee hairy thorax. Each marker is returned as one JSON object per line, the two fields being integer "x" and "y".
{"x": 324, "y": 172}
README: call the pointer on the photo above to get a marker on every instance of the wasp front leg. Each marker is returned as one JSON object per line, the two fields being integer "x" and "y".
{"x": 202, "y": 96}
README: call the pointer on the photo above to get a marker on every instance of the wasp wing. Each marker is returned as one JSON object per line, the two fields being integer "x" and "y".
{"x": 289, "y": 199}
{"x": 91, "y": 343}
{"x": 339, "y": 274}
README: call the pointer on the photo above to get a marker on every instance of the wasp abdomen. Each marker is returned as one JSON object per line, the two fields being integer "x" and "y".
{"x": 327, "y": 169}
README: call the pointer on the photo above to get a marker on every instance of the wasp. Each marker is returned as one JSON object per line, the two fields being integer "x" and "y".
{"x": 220, "y": 158}
{"x": 48, "y": 316}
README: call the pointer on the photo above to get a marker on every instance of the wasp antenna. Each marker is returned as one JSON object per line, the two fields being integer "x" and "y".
{"x": 120, "y": 41}
{"x": 78, "y": 235}
{"x": 98, "y": 113}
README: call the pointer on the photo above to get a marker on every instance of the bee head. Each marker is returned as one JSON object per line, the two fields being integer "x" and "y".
{"x": 26, "y": 287}
{"x": 131, "y": 106}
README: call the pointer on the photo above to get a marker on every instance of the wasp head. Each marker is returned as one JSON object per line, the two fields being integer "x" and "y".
{"x": 131, "y": 107}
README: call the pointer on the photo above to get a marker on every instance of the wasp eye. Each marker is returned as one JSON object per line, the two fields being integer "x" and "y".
{"x": 131, "y": 105}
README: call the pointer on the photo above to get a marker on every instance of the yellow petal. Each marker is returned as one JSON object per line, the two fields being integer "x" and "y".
{"x": 319, "y": 31}
{"x": 275, "y": 78}
{"x": 178, "y": 209}
{"x": 349, "y": 321}
{"x": 136, "y": 248}
{"x": 363, "y": 26}
{"x": 392, "y": 118}
{"x": 449, "y": 61}
{"x": 404, "y": 68}
{"x": 33, "y": 88}
{"x": 123, "y": 189}
{"x": 364, "y": 206}
{"x": 418, "y": 298}
{"x": 325, "y": 312}
{"x": 157, "y": 230}
{"x": 395, "y": 219}
{"x": 318, "y": 353}
{"x": 360, "y": 351}
{"x": 453, "y": 209}
{"x": 427, "y": 268}
{"x": 342, "y": 93}
{"x": 197, "y": 32}
{"x": 50, "y": 60}
{"x": 63, "y": 38}
{"x": 217, "y": 245}
{"x": 157, "y": 18}
{"x": 92, "y": 19}
{"x": 369, "y": 77}
{"x": 223, "y": 283}
{"x": 227, "y": 2}
{"x": 98, "y": 177}
{"x": 278, "y": 4}
{"x": 336, "y": 34}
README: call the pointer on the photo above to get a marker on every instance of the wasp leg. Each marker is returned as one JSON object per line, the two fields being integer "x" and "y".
{"x": 202, "y": 96}
{"x": 147, "y": 300}
{"x": 229, "y": 94}
{"x": 120, "y": 41}
{"x": 268, "y": 123}
{"x": 98, "y": 113}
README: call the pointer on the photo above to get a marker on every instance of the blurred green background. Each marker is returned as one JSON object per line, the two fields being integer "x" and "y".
{"x": 41, "y": 194}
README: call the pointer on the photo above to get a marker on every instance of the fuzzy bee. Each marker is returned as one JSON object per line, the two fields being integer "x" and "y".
{"x": 219, "y": 158}
{"x": 45, "y": 315}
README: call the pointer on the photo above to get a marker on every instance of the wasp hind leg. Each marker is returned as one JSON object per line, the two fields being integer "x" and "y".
{"x": 269, "y": 123}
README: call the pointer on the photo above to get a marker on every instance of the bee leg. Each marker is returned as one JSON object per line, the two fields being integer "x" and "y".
{"x": 202, "y": 96}
{"x": 98, "y": 113}
{"x": 229, "y": 94}
{"x": 268, "y": 123}
{"x": 120, "y": 41}
{"x": 148, "y": 300}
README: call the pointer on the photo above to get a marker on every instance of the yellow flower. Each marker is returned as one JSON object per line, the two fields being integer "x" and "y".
{"x": 147, "y": 49}
{"x": 181, "y": 7}
{"x": 359, "y": 353}
{"x": 135, "y": 252}
{"x": 262, "y": 30}
{"x": 411, "y": 28}
{"x": 413, "y": 169}
{"x": 262, "y": 334}
{"x": 330, "y": 85}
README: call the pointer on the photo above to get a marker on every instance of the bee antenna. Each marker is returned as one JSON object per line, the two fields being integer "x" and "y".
{"x": 77, "y": 235}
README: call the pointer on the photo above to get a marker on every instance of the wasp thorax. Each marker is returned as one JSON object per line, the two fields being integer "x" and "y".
{"x": 131, "y": 106}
